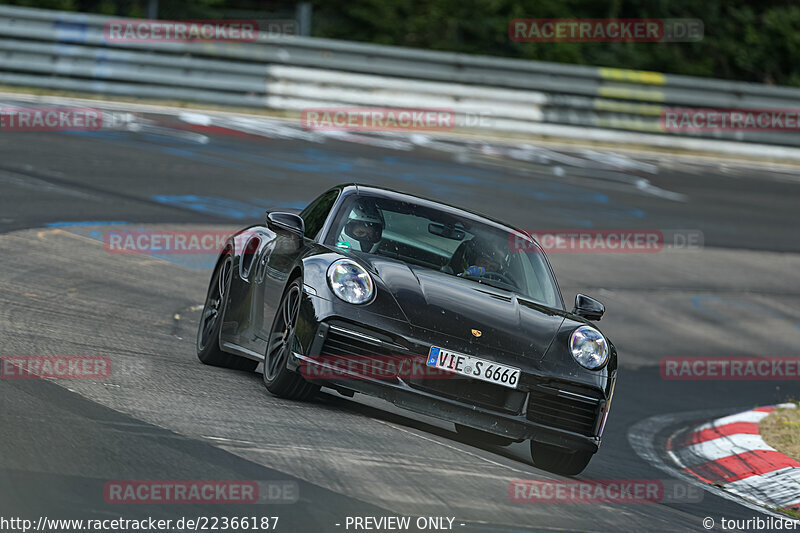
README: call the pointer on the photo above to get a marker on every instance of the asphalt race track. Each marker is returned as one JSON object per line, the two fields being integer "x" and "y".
{"x": 164, "y": 415}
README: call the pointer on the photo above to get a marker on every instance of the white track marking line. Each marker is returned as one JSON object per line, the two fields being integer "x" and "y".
{"x": 459, "y": 450}
{"x": 747, "y": 416}
{"x": 223, "y": 439}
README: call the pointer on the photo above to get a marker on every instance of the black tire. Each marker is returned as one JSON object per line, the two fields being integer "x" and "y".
{"x": 278, "y": 379}
{"x": 559, "y": 460}
{"x": 482, "y": 437}
{"x": 208, "y": 349}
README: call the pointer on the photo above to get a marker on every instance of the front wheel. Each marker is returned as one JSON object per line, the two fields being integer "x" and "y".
{"x": 559, "y": 460}
{"x": 278, "y": 379}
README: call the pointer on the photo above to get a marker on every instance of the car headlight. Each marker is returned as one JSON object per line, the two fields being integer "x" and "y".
{"x": 588, "y": 347}
{"x": 350, "y": 282}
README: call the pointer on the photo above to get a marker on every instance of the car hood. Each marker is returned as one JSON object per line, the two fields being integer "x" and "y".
{"x": 453, "y": 306}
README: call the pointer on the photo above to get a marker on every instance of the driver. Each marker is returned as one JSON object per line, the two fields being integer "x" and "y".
{"x": 480, "y": 258}
{"x": 364, "y": 226}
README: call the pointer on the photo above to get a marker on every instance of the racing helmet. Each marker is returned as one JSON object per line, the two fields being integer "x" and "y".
{"x": 364, "y": 225}
{"x": 482, "y": 252}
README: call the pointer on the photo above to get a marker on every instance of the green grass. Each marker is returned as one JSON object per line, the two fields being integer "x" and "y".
{"x": 789, "y": 512}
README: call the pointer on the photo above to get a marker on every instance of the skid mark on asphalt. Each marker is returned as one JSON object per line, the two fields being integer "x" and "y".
{"x": 186, "y": 152}
{"x": 96, "y": 239}
{"x": 87, "y": 223}
{"x": 226, "y": 207}
{"x": 716, "y": 308}
{"x": 363, "y": 457}
{"x": 364, "y": 475}
{"x": 40, "y": 186}
{"x": 83, "y": 231}
{"x": 441, "y": 178}
{"x": 705, "y": 303}
{"x": 459, "y": 450}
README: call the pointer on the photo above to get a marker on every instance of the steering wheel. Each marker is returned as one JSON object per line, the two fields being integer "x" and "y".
{"x": 499, "y": 277}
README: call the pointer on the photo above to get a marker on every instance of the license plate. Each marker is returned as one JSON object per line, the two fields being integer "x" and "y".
{"x": 474, "y": 367}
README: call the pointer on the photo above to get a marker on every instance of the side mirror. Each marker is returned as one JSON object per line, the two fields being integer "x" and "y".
{"x": 290, "y": 222}
{"x": 588, "y": 307}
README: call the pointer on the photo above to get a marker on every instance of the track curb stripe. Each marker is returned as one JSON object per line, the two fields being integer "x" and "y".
{"x": 721, "y": 449}
{"x": 729, "y": 452}
{"x": 742, "y": 465}
{"x": 701, "y": 435}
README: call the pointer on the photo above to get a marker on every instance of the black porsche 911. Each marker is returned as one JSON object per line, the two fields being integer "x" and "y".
{"x": 434, "y": 308}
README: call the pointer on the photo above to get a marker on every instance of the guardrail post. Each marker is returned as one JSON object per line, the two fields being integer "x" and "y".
{"x": 152, "y": 9}
{"x": 303, "y": 16}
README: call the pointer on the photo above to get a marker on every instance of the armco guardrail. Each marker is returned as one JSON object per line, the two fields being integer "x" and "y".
{"x": 68, "y": 51}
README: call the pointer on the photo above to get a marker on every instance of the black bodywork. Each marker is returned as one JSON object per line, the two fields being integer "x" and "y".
{"x": 557, "y": 402}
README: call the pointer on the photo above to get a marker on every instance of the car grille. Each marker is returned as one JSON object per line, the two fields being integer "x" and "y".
{"x": 337, "y": 344}
{"x": 342, "y": 345}
{"x": 575, "y": 411}
{"x": 480, "y": 393}
{"x": 349, "y": 344}
{"x": 340, "y": 342}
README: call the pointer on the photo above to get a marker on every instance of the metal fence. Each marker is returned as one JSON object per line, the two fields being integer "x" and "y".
{"x": 68, "y": 51}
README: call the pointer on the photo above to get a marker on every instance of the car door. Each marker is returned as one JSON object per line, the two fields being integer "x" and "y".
{"x": 278, "y": 258}
{"x": 241, "y": 317}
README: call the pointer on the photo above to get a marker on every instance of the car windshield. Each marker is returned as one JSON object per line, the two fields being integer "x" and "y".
{"x": 459, "y": 246}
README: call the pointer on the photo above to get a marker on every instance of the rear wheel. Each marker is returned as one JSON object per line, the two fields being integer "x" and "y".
{"x": 483, "y": 437}
{"x": 559, "y": 460}
{"x": 208, "y": 350}
{"x": 278, "y": 379}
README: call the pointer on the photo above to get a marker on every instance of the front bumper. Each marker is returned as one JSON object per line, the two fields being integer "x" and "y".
{"x": 549, "y": 408}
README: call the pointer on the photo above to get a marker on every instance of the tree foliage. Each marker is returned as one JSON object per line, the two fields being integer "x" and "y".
{"x": 751, "y": 40}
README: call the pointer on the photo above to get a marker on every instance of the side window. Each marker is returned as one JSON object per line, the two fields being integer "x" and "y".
{"x": 317, "y": 211}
